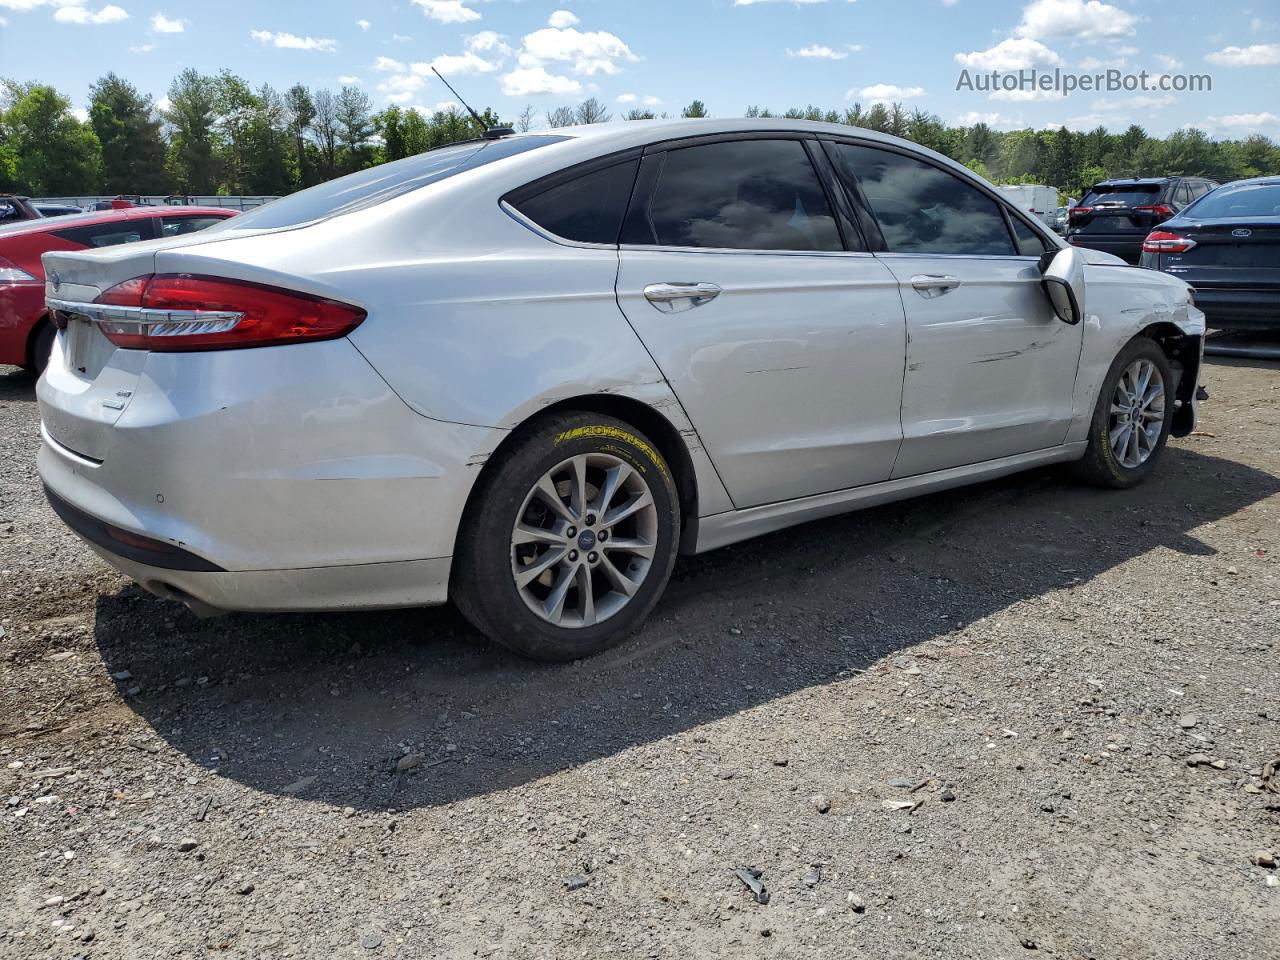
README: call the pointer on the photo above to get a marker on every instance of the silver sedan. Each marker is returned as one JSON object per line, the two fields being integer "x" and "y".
{"x": 525, "y": 372}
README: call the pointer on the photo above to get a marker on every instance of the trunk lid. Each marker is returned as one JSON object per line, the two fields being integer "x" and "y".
{"x": 89, "y": 382}
{"x": 1242, "y": 254}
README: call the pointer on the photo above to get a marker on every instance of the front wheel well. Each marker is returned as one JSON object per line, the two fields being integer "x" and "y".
{"x": 643, "y": 417}
{"x": 1183, "y": 351}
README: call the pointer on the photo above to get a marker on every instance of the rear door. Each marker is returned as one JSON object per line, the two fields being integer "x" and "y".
{"x": 781, "y": 336}
{"x": 990, "y": 369}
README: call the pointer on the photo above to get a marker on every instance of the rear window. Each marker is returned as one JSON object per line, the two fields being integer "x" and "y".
{"x": 1238, "y": 202}
{"x": 1126, "y": 195}
{"x": 367, "y": 188}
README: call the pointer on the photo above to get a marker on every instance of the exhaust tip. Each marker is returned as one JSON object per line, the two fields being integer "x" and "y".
{"x": 167, "y": 591}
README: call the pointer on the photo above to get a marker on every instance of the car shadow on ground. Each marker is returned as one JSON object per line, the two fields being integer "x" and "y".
{"x": 321, "y": 707}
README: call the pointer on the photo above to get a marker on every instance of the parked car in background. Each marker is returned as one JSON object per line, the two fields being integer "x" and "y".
{"x": 56, "y": 209}
{"x": 26, "y": 334}
{"x": 1033, "y": 198}
{"x": 1116, "y": 215}
{"x": 1057, "y": 220}
{"x": 1227, "y": 246}
{"x": 525, "y": 371}
{"x": 14, "y": 208}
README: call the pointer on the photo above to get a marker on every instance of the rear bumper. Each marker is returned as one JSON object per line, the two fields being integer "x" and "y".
{"x": 1127, "y": 248}
{"x": 1228, "y": 309}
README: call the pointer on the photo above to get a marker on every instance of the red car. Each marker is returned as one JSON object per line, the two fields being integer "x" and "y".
{"x": 26, "y": 336}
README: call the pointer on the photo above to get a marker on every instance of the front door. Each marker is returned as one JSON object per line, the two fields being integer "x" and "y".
{"x": 785, "y": 349}
{"x": 990, "y": 369}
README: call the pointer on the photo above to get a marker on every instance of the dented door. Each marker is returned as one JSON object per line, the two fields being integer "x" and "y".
{"x": 990, "y": 368}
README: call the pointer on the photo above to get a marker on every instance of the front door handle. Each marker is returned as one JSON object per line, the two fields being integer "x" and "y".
{"x": 678, "y": 297}
{"x": 930, "y": 285}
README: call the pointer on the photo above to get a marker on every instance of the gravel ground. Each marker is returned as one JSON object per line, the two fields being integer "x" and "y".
{"x": 1022, "y": 717}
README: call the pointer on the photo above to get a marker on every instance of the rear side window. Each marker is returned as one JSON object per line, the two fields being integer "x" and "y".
{"x": 1028, "y": 242}
{"x": 364, "y": 189}
{"x": 1125, "y": 195}
{"x": 588, "y": 209}
{"x": 1239, "y": 201}
{"x": 740, "y": 195}
{"x": 923, "y": 209}
{"x": 177, "y": 226}
{"x": 109, "y": 234}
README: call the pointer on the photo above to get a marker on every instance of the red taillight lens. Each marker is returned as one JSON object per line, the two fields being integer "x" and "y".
{"x": 1076, "y": 212}
{"x": 178, "y": 312}
{"x": 1161, "y": 211}
{"x": 1162, "y": 241}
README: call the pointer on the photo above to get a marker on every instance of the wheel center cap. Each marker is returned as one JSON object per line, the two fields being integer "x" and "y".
{"x": 586, "y": 540}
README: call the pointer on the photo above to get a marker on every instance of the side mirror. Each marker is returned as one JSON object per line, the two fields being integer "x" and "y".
{"x": 1063, "y": 281}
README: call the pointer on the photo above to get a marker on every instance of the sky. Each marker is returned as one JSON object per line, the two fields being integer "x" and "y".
{"x": 660, "y": 54}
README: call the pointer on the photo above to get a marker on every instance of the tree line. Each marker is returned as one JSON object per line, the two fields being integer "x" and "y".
{"x": 217, "y": 134}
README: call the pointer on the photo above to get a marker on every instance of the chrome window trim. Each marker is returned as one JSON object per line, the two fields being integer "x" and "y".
{"x": 546, "y": 234}
{"x": 653, "y": 248}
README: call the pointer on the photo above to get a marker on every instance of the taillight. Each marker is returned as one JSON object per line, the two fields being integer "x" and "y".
{"x": 179, "y": 312}
{"x": 1076, "y": 212}
{"x": 10, "y": 272}
{"x": 1161, "y": 211}
{"x": 1162, "y": 241}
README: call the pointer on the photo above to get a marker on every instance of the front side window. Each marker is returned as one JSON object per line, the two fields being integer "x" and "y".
{"x": 1029, "y": 243}
{"x": 588, "y": 208}
{"x": 740, "y": 195}
{"x": 923, "y": 209}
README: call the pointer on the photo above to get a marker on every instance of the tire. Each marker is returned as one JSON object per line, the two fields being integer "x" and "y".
{"x": 1116, "y": 465}
{"x": 41, "y": 347}
{"x": 531, "y": 596}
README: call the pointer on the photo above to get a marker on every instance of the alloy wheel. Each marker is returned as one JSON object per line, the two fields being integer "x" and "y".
{"x": 584, "y": 540}
{"x": 1137, "y": 413}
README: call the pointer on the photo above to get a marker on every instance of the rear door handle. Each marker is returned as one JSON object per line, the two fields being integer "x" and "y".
{"x": 678, "y": 297}
{"x": 930, "y": 285}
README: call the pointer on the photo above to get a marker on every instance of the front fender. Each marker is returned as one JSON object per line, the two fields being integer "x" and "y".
{"x": 1121, "y": 303}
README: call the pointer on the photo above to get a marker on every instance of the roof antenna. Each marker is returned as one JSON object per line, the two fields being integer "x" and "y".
{"x": 487, "y": 133}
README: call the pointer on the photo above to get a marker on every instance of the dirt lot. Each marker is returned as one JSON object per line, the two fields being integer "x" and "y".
{"x": 962, "y": 726}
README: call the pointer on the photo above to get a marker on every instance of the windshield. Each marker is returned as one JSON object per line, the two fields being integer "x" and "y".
{"x": 1238, "y": 202}
{"x": 366, "y": 188}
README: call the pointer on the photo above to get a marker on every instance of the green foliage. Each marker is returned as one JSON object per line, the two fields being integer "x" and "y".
{"x": 44, "y": 149}
{"x": 218, "y": 134}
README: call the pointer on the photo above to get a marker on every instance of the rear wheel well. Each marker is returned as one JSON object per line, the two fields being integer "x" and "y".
{"x": 1183, "y": 351}
{"x": 643, "y": 417}
{"x": 38, "y": 329}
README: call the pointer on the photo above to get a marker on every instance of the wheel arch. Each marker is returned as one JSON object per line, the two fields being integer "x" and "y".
{"x": 644, "y": 417}
{"x": 33, "y": 335}
{"x": 1183, "y": 351}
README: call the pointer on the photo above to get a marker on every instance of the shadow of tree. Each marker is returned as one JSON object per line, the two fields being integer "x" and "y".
{"x": 322, "y": 706}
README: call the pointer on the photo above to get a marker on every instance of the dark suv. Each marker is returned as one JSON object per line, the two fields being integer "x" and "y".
{"x": 1116, "y": 215}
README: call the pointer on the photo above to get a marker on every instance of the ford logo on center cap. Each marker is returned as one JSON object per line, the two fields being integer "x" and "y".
{"x": 1242, "y": 233}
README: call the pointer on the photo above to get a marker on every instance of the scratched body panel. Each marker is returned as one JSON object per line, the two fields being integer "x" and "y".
{"x": 793, "y": 374}
{"x": 990, "y": 368}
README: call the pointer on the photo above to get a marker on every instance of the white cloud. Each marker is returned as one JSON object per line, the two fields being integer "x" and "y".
{"x": 401, "y": 38}
{"x": 387, "y": 65}
{"x": 347, "y": 81}
{"x": 400, "y": 97}
{"x": 1078, "y": 19}
{"x": 142, "y": 47}
{"x": 527, "y": 81}
{"x": 798, "y": 3}
{"x": 1258, "y": 55}
{"x": 562, "y": 18}
{"x": 462, "y": 64}
{"x": 652, "y": 101}
{"x": 487, "y": 40}
{"x": 1249, "y": 121}
{"x": 162, "y": 24}
{"x": 1024, "y": 96}
{"x": 447, "y": 11}
{"x": 627, "y": 98}
{"x": 1016, "y": 53}
{"x": 1093, "y": 63}
{"x": 363, "y": 24}
{"x": 83, "y": 15}
{"x": 288, "y": 41}
{"x": 817, "y": 51}
{"x": 1140, "y": 102}
{"x": 80, "y": 113}
{"x": 590, "y": 52}
{"x": 973, "y": 117}
{"x": 1167, "y": 61}
{"x": 885, "y": 93}
{"x": 164, "y": 103}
